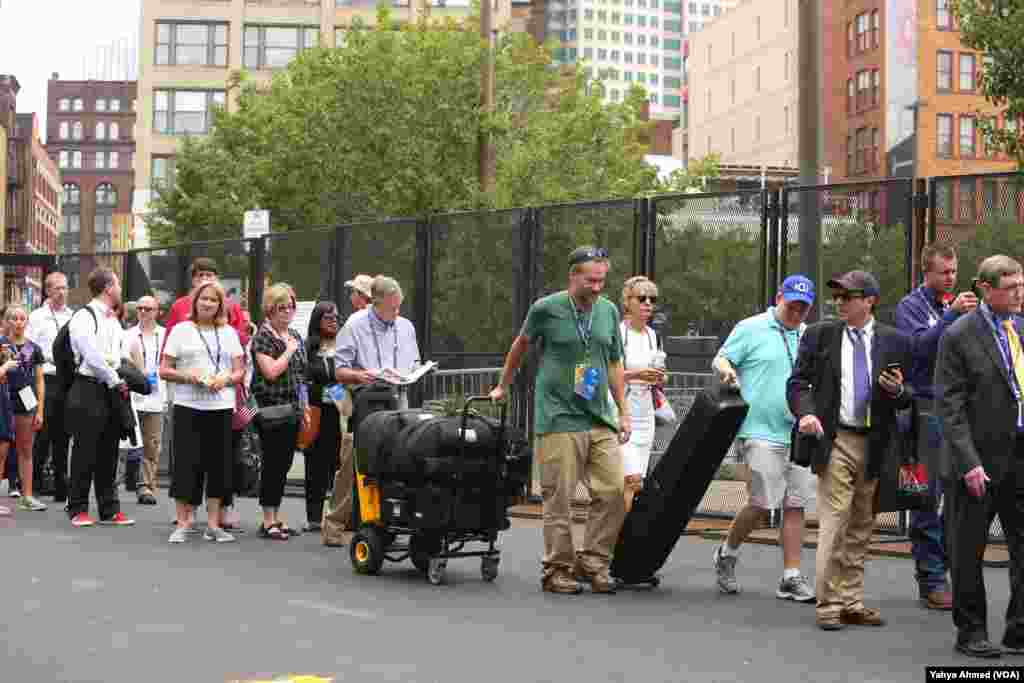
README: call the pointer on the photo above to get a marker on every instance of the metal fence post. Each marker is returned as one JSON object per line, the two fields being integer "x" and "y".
{"x": 932, "y": 209}
{"x": 908, "y": 236}
{"x": 338, "y": 266}
{"x": 768, "y": 221}
{"x": 424, "y": 269}
{"x": 782, "y": 252}
{"x": 258, "y": 268}
{"x": 920, "y": 233}
{"x": 184, "y": 282}
{"x": 651, "y": 231}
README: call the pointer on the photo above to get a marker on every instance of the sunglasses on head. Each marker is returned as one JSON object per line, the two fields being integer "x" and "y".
{"x": 646, "y": 299}
{"x": 588, "y": 254}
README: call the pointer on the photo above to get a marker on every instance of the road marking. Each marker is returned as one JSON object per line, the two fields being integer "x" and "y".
{"x": 80, "y": 585}
{"x": 331, "y": 609}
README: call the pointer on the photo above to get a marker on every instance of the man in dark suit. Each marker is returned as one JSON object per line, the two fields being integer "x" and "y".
{"x": 978, "y": 380}
{"x": 845, "y": 390}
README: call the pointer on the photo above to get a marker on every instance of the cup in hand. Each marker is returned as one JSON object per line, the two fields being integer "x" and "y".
{"x": 658, "y": 360}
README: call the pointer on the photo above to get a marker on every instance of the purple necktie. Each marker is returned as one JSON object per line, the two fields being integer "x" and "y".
{"x": 861, "y": 376}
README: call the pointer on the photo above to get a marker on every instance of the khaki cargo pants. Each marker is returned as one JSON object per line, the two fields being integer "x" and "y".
{"x": 337, "y": 521}
{"x": 595, "y": 458}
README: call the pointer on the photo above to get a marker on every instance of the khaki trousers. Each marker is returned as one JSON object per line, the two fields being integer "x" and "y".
{"x": 152, "y": 426}
{"x": 846, "y": 518}
{"x": 337, "y": 520}
{"x": 595, "y": 458}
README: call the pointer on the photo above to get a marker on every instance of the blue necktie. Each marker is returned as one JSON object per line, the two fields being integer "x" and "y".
{"x": 861, "y": 377}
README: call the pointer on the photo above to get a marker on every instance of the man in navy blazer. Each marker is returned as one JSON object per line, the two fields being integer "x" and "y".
{"x": 845, "y": 389}
{"x": 978, "y": 380}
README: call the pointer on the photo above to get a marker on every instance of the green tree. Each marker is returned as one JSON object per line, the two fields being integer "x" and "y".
{"x": 994, "y": 28}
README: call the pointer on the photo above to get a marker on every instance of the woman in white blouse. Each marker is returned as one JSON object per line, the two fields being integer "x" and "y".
{"x": 639, "y": 342}
{"x": 203, "y": 357}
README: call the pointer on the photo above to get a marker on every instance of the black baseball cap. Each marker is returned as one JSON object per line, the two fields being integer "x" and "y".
{"x": 857, "y": 281}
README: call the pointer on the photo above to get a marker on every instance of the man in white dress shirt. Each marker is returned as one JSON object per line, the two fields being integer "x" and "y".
{"x": 92, "y": 415}
{"x": 143, "y": 343}
{"x": 43, "y": 325}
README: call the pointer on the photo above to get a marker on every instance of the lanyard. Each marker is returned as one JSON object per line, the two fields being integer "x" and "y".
{"x": 376, "y": 341}
{"x": 785, "y": 343}
{"x": 584, "y": 336}
{"x": 209, "y": 353}
{"x": 156, "y": 349}
{"x": 625, "y": 337}
{"x": 1003, "y": 351}
{"x": 932, "y": 318}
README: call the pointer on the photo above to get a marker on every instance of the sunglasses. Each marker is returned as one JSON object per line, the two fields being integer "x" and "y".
{"x": 144, "y": 309}
{"x": 646, "y": 299}
{"x": 329, "y": 316}
{"x": 588, "y": 254}
{"x": 847, "y": 296}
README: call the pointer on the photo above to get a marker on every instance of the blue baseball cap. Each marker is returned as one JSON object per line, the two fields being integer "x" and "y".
{"x": 798, "y": 288}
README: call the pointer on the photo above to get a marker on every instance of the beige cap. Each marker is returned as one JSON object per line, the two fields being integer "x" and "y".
{"x": 362, "y": 284}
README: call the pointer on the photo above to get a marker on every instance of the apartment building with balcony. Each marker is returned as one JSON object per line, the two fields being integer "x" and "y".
{"x": 190, "y": 48}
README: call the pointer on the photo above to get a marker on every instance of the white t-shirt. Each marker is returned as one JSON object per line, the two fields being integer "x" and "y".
{"x": 210, "y": 351}
{"x": 149, "y": 348}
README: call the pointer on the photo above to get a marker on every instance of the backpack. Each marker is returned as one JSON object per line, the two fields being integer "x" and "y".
{"x": 64, "y": 356}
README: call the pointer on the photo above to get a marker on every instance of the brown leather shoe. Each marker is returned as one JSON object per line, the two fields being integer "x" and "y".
{"x": 940, "y": 599}
{"x": 830, "y": 622}
{"x": 560, "y": 583}
{"x": 603, "y": 583}
{"x": 865, "y": 616}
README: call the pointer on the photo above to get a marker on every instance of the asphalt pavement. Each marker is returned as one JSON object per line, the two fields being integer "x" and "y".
{"x": 121, "y": 604}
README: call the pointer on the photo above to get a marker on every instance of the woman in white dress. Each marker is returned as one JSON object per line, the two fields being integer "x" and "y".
{"x": 639, "y": 296}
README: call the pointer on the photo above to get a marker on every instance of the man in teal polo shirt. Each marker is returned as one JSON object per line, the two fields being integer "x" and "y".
{"x": 576, "y": 429}
{"x": 759, "y": 355}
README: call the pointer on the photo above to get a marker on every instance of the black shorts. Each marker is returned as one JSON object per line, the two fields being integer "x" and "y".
{"x": 202, "y": 454}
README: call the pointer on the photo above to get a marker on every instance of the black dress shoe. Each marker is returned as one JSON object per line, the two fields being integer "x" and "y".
{"x": 147, "y": 499}
{"x": 1013, "y": 649}
{"x": 979, "y": 648}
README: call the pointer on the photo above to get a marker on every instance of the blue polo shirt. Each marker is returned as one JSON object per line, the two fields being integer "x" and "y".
{"x": 757, "y": 348}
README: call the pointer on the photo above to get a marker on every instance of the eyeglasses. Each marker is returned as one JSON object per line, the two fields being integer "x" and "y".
{"x": 284, "y": 308}
{"x": 144, "y": 309}
{"x": 588, "y": 254}
{"x": 330, "y": 316}
{"x": 847, "y": 296}
{"x": 646, "y": 299}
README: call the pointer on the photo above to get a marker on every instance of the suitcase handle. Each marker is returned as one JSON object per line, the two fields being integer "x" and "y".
{"x": 502, "y": 420}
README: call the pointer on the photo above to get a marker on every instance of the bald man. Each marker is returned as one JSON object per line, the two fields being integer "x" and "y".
{"x": 142, "y": 345}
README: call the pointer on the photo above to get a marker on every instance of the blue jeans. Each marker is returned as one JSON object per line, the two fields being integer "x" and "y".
{"x": 927, "y": 537}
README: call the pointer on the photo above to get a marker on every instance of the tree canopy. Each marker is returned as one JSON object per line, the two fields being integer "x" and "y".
{"x": 386, "y": 126}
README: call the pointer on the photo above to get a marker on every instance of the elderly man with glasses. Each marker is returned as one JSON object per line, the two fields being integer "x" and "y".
{"x": 578, "y": 435}
{"x": 845, "y": 390}
{"x": 143, "y": 343}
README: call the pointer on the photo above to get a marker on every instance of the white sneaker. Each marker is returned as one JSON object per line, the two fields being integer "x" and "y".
{"x": 15, "y": 493}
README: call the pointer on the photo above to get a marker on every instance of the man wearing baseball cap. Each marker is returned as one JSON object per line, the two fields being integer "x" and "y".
{"x": 759, "y": 355}
{"x": 845, "y": 390}
{"x": 359, "y": 291}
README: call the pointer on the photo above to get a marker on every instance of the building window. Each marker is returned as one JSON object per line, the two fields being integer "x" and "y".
{"x": 876, "y": 160}
{"x": 78, "y": 105}
{"x": 944, "y": 71}
{"x": 103, "y": 230}
{"x": 115, "y": 104}
{"x": 757, "y": 128}
{"x": 101, "y": 130}
{"x": 967, "y": 137}
{"x": 72, "y": 195}
{"x": 113, "y": 160}
{"x": 179, "y": 112}
{"x": 944, "y": 138}
{"x": 101, "y": 104}
{"x": 849, "y": 39}
{"x": 862, "y": 32}
{"x": 191, "y": 44}
{"x": 943, "y": 18}
{"x": 162, "y": 175}
{"x": 875, "y": 28}
{"x": 62, "y": 158}
{"x": 106, "y": 195}
{"x": 785, "y": 69}
{"x": 71, "y": 234}
{"x": 966, "y": 190}
{"x": 850, "y": 93}
{"x": 64, "y": 104}
{"x": 785, "y": 111}
{"x": 757, "y": 79}
{"x": 732, "y": 91}
{"x": 272, "y": 47}
{"x": 113, "y": 130}
{"x": 967, "y": 73}
{"x": 101, "y": 160}
{"x": 65, "y": 129}
{"x": 876, "y": 86}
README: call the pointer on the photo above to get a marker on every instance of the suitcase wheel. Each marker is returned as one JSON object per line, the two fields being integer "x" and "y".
{"x": 421, "y": 547}
{"x": 489, "y": 568}
{"x": 367, "y": 550}
{"x": 436, "y": 570}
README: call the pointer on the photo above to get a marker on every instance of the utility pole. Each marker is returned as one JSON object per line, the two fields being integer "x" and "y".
{"x": 487, "y": 36}
{"x": 809, "y": 145}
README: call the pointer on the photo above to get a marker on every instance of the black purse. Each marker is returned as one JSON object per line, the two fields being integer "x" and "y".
{"x": 276, "y": 417}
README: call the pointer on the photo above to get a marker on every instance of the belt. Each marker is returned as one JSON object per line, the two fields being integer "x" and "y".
{"x": 855, "y": 430}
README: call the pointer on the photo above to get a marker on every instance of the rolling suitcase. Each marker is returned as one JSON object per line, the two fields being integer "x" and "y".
{"x": 674, "y": 489}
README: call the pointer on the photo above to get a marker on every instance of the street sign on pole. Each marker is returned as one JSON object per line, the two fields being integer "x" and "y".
{"x": 257, "y": 224}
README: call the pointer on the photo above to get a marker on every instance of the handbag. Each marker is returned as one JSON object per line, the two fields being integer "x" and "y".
{"x": 275, "y": 417}
{"x": 310, "y": 429}
{"x": 663, "y": 411}
{"x": 245, "y": 409}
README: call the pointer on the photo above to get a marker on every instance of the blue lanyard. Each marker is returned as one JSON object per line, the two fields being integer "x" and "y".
{"x": 928, "y": 305}
{"x": 1003, "y": 351}
{"x": 584, "y": 336}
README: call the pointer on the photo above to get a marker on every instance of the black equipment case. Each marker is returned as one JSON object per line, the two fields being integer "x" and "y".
{"x": 674, "y": 489}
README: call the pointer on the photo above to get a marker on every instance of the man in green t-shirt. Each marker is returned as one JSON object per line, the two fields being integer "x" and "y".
{"x": 578, "y": 435}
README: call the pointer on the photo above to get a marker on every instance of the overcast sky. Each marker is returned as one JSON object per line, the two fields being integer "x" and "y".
{"x": 38, "y": 37}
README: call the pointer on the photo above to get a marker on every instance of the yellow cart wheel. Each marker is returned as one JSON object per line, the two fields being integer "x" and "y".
{"x": 367, "y": 550}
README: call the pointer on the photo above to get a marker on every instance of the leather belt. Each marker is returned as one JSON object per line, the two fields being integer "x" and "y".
{"x": 855, "y": 430}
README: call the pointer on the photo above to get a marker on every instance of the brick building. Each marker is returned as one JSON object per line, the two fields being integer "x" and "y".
{"x": 34, "y": 215}
{"x": 9, "y": 88}
{"x": 90, "y": 135}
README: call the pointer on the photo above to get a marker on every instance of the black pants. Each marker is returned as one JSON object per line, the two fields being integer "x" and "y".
{"x": 93, "y": 421}
{"x": 204, "y": 459}
{"x": 278, "y": 453}
{"x": 52, "y": 436}
{"x": 322, "y": 462}
{"x": 967, "y": 525}
{"x": 236, "y": 466}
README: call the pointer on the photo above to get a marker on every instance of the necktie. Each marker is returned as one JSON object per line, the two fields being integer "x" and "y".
{"x": 861, "y": 377}
{"x": 1016, "y": 361}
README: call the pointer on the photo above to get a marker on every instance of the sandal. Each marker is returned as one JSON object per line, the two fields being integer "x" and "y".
{"x": 287, "y": 530}
{"x": 272, "y": 532}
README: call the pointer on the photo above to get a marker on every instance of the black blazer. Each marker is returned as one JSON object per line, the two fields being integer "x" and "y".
{"x": 815, "y": 386}
{"x": 974, "y": 398}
